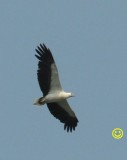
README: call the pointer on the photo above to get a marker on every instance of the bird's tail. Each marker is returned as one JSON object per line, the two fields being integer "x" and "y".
{"x": 40, "y": 101}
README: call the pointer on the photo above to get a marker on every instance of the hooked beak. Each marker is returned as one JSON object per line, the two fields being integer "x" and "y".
{"x": 72, "y": 95}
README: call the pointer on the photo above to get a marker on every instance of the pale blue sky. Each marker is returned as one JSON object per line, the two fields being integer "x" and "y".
{"x": 88, "y": 39}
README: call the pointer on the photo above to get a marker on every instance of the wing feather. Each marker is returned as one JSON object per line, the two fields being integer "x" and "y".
{"x": 47, "y": 71}
{"x": 62, "y": 111}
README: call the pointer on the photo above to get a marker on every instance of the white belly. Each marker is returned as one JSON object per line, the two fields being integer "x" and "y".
{"x": 56, "y": 97}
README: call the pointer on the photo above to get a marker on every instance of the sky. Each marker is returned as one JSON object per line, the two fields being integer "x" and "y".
{"x": 88, "y": 39}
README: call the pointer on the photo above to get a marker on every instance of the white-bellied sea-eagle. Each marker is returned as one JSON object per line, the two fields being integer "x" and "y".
{"x": 53, "y": 94}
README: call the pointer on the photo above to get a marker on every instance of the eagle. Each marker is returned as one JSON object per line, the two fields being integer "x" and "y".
{"x": 53, "y": 94}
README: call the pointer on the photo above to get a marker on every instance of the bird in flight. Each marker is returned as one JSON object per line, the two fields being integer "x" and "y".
{"x": 53, "y": 94}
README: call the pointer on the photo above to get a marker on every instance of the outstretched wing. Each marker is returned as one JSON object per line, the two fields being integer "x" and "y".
{"x": 62, "y": 111}
{"x": 47, "y": 71}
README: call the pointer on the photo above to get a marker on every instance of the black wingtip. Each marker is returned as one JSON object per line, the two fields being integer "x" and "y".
{"x": 70, "y": 126}
{"x": 44, "y": 54}
{"x": 43, "y": 46}
{"x": 40, "y": 51}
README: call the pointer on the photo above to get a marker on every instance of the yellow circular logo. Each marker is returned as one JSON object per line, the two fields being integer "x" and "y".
{"x": 117, "y": 133}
